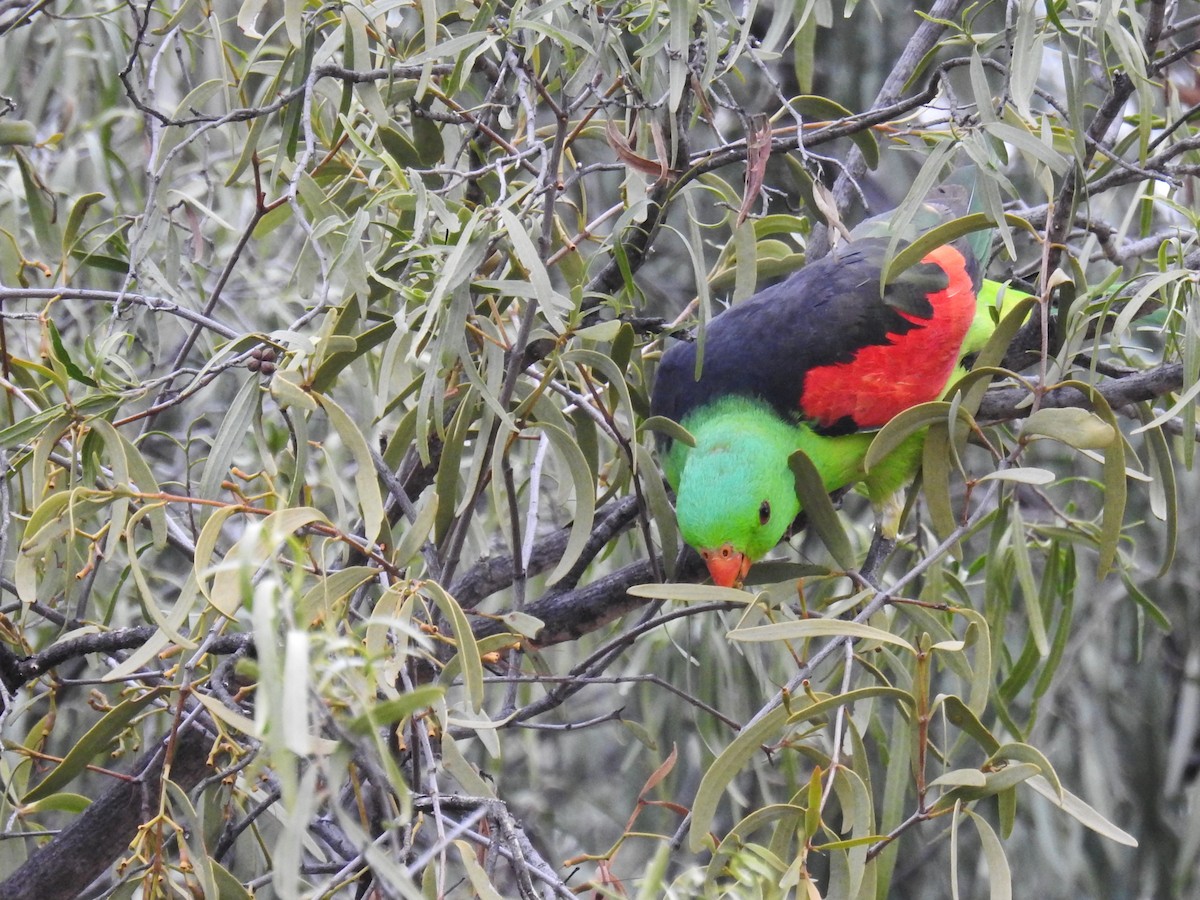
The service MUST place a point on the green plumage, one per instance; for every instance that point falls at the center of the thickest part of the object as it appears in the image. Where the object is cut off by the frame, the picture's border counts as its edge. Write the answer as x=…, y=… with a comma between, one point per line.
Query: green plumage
x=741, y=459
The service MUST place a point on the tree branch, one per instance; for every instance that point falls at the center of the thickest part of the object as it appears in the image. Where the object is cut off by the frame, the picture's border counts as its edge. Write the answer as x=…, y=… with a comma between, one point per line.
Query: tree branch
x=82, y=851
x=1004, y=403
x=571, y=615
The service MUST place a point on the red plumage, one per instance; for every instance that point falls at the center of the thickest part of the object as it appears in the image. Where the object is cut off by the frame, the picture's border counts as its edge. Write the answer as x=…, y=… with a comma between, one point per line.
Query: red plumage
x=884, y=379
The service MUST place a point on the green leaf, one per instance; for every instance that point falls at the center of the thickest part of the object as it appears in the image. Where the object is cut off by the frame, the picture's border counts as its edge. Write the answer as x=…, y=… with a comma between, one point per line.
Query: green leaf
x=387, y=713
x=994, y=783
x=61, y=354
x=905, y=425
x=1115, y=488
x=228, y=886
x=963, y=718
x=23, y=430
x=254, y=547
x=39, y=204
x=1164, y=493
x=849, y=698
x=468, y=649
x=191, y=833
x=143, y=479
x=960, y=778
x=812, y=810
x=289, y=392
x=945, y=233
x=366, y=483
x=75, y=219
x=321, y=598
x=336, y=360
x=1071, y=425
x=551, y=303
x=448, y=475
x=294, y=729
x=481, y=884
x=523, y=623
x=670, y=428
x=17, y=131
x=585, y=498
x=981, y=663
x=1021, y=752
x=937, y=461
x=1021, y=475
x=96, y=741
x=1029, y=144
x=1081, y=812
x=400, y=146
x=1028, y=583
x=417, y=532
x=661, y=511
x=69, y=803
x=801, y=629
x=999, y=875
x=601, y=331
x=822, y=517
x=230, y=717
x=815, y=107
x=692, y=593
x=787, y=818
x=171, y=619
x=1147, y=605
x=803, y=57
x=725, y=768
x=231, y=434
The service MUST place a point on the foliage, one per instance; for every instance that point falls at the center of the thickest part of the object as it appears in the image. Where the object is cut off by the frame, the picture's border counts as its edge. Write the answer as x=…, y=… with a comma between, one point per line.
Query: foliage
x=335, y=557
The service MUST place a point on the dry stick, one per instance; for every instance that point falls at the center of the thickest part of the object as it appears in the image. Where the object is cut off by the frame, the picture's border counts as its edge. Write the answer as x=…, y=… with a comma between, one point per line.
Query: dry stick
x=261, y=208
x=601, y=659
x=156, y=304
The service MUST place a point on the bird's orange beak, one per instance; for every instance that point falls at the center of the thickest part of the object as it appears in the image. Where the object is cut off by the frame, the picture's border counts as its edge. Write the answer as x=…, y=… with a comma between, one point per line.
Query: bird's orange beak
x=726, y=566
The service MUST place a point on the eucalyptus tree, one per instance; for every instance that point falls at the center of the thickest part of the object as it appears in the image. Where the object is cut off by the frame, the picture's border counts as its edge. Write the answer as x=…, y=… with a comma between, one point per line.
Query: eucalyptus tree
x=336, y=558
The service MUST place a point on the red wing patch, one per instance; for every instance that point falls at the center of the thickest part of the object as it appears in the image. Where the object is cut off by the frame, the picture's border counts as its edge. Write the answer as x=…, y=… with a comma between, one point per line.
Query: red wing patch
x=883, y=380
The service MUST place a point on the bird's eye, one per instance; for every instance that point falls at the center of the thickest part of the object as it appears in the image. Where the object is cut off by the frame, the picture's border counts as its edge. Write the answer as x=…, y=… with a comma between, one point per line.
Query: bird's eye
x=764, y=513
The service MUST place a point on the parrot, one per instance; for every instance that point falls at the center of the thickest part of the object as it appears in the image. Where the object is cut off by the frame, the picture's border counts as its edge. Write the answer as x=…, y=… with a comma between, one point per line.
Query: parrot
x=817, y=363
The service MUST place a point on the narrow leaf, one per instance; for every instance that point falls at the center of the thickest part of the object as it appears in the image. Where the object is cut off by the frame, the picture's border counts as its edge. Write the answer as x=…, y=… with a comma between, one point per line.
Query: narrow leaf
x=670, y=428
x=691, y=593
x=97, y=740
x=999, y=874
x=585, y=498
x=1081, y=812
x=1021, y=475
x=810, y=628
x=1072, y=426
x=822, y=517
x=366, y=482
x=468, y=650
x=904, y=426
x=726, y=767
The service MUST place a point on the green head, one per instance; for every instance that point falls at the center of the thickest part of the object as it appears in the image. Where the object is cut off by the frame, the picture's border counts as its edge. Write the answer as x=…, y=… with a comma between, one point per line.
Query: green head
x=735, y=494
